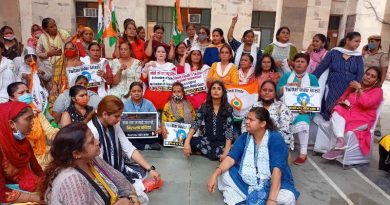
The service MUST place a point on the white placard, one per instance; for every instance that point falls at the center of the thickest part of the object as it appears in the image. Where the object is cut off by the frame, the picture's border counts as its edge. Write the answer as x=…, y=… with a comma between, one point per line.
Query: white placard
x=193, y=82
x=177, y=134
x=89, y=71
x=306, y=99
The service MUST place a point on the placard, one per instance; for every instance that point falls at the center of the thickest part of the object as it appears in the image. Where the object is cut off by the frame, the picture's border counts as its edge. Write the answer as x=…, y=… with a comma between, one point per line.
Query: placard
x=89, y=71
x=193, y=82
x=177, y=133
x=161, y=79
x=306, y=99
x=139, y=125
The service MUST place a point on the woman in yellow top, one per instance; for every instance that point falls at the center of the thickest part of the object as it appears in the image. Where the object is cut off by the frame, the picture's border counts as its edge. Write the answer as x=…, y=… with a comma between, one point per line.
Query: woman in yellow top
x=178, y=109
x=224, y=71
x=42, y=131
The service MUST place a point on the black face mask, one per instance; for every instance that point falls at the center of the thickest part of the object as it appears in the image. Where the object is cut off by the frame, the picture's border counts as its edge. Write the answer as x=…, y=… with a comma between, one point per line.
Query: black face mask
x=268, y=102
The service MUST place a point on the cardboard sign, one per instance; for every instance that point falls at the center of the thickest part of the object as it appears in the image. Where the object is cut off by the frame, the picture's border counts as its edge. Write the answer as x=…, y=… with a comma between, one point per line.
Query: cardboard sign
x=306, y=99
x=177, y=133
x=139, y=125
x=89, y=71
x=193, y=82
x=161, y=79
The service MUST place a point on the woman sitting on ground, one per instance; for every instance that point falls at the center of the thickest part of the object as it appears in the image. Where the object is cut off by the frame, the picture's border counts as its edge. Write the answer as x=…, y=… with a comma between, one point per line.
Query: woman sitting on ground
x=178, y=109
x=78, y=110
x=216, y=113
x=77, y=175
x=256, y=169
x=357, y=107
x=17, y=161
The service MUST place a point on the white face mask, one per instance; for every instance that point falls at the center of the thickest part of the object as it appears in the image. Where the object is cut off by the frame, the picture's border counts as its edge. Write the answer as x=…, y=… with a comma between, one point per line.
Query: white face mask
x=9, y=37
x=18, y=135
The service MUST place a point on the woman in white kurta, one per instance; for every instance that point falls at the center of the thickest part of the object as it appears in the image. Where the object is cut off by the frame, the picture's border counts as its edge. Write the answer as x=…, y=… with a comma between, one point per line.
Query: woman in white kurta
x=7, y=74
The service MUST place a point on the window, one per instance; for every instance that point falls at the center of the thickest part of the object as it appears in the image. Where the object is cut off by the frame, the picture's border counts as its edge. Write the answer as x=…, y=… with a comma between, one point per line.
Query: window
x=264, y=22
x=350, y=25
x=163, y=16
x=86, y=15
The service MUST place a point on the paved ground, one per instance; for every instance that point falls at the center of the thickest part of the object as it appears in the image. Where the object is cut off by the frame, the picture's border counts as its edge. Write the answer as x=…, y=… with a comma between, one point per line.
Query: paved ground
x=319, y=181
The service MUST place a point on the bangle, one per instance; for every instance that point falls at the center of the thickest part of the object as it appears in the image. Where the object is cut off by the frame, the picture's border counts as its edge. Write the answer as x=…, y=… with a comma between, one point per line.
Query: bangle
x=273, y=201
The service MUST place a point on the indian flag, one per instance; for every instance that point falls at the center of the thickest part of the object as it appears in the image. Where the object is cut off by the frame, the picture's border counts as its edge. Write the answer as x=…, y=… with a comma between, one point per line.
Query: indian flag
x=111, y=28
x=177, y=28
x=100, y=28
x=242, y=97
x=39, y=94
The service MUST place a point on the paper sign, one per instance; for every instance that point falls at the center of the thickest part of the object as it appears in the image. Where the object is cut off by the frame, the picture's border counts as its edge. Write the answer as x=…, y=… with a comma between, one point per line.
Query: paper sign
x=306, y=99
x=139, y=125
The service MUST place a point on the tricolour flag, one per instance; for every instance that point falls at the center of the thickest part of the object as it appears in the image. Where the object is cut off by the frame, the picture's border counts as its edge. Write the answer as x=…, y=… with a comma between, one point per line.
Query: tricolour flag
x=178, y=26
x=38, y=92
x=100, y=28
x=111, y=24
x=242, y=97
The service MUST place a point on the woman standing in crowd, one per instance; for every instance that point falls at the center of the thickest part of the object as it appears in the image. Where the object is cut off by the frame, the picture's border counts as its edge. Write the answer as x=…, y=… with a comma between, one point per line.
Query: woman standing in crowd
x=195, y=63
x=256, y=170
x=266, y=70
x=180, y=51
x=7, y=74
x=36, y=32
x=216, y=113
x=78, y=110
x=136, y=103
x=155, y=41
x=278, y=111
x=137, y=45
x=18, y=163
x=178, y=109
x=192, y=38
x=78, y=176
x=345, y=64
x=42, y=131
x=212, y=52
x=299, y=78
x=317, y=51
x=12, y=48
x=86, y=37
x=203, y=39
x=356, y=107
x=224, y=70
x=141, y=33
x=105, y=73
x=247, y=45
x=51, y=43
x=157, y=97
x=246, y=73
x=126, y=70
x=282, y=50
x=63, y=100
x=116, y=149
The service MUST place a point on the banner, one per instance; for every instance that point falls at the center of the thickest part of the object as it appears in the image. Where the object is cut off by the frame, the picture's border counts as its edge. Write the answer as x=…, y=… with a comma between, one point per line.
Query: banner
x=39, y=94
x=139, y=125
x=307, y=99
x=89, y=71
x=193, y=82
x=177, y=133
x=242, y=97
x=161, y=79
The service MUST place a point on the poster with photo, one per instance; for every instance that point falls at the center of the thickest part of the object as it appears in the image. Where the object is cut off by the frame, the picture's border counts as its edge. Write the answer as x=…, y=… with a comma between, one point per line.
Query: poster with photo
x=139, y=125
x=306, y=99
x=177, y=133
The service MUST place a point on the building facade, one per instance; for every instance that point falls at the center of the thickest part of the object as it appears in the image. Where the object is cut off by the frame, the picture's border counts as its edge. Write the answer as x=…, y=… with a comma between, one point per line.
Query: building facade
x=305, y=18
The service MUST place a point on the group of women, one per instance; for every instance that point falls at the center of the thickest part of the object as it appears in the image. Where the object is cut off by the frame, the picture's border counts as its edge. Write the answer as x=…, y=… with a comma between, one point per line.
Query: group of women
x=89, y=158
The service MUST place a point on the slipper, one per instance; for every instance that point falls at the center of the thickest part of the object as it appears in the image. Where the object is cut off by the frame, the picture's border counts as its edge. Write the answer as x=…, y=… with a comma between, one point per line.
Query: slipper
x=150, y=184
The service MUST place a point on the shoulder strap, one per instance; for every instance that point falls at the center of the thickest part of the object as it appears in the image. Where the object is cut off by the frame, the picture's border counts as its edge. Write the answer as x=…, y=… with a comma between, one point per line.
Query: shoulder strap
x=102, y=139
x=105, y=198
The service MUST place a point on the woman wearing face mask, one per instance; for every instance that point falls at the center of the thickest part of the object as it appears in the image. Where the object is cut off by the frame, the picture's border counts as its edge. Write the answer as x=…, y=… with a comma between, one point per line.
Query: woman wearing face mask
x=266, y=70
x=63, y=100
x=344, y=64
x=18, y=163
x=7, y=74
x=317, y=51
x=78, y=110
x=299, y=78
x=178, y=109
x=116, y=149
x=216, y=113
x=282, y=50
x=247, y=46
x=13, y=48
x=246, y=73
x=224, y=70
x=211, y=54
x=157, y=97
x=86, y=37
x=203, y=39
x=36, y=32
x=195, y=63
x=42, y=131
x=279, y=113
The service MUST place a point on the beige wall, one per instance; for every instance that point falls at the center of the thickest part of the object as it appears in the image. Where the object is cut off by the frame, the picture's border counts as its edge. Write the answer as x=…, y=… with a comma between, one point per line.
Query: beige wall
x=265, y=5
x=183, y=3
x=9, y=16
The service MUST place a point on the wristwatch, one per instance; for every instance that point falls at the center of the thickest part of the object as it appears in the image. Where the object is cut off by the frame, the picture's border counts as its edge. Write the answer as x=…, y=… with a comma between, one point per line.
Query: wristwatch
x=151, y=168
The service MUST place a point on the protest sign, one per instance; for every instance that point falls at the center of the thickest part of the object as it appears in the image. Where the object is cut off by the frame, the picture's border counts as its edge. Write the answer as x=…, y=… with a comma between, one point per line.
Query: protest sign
x=89, y=71
x=306, y=99
x=242, y=97
x=139, y=125
x=161, y=79
x=177, y=133
x=193, y=82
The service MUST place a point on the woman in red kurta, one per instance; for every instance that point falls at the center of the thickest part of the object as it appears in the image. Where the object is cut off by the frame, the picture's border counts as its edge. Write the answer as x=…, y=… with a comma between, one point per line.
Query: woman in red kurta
x=17, y=161
x=357, y=108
